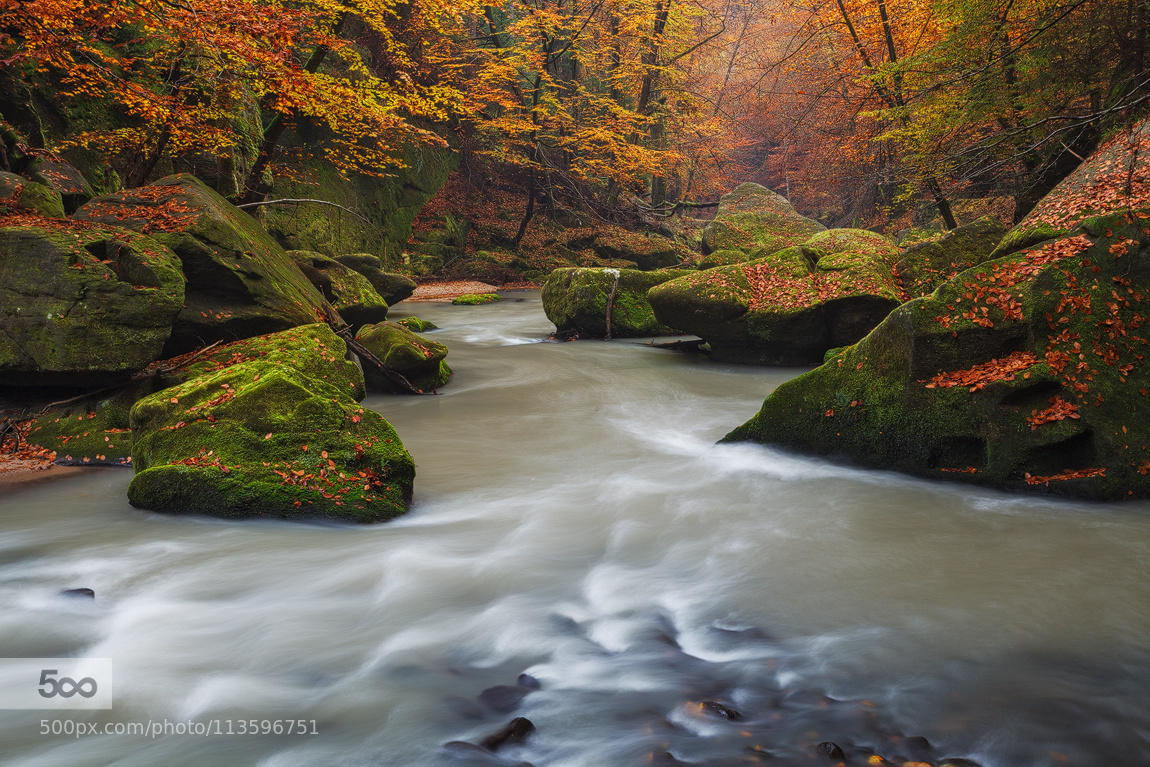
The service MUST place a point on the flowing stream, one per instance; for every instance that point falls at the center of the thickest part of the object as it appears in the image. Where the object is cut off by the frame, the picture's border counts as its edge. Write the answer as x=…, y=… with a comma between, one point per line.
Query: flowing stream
x=575, y=521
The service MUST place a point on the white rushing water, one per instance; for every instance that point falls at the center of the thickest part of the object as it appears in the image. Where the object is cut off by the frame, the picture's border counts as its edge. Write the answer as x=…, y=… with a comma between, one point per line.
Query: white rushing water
x=574, y=520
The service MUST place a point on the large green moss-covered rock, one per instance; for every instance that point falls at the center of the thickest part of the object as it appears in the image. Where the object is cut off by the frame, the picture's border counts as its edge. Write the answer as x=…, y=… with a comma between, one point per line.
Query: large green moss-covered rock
x=240, y=282
x=83, y=305
x=757, y=221
x=392, y=287
x=1026, y=372
x=791, y=306
x=18, y=194
x=277, y=432
x=346, y=289
x=418, y=359
x=388, y=204
x=925, y=265
x=575, y=300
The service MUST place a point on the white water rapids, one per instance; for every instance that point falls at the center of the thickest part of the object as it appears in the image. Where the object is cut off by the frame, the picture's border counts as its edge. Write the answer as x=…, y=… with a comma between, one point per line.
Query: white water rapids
x=574, y=520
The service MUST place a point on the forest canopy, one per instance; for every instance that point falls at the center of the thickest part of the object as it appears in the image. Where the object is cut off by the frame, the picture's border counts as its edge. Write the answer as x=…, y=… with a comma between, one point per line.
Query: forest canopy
x=860, y=111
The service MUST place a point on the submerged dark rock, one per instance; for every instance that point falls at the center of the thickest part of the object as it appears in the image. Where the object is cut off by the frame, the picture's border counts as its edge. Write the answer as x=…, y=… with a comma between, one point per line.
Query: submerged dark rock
x=81, y=593
x=513, y=733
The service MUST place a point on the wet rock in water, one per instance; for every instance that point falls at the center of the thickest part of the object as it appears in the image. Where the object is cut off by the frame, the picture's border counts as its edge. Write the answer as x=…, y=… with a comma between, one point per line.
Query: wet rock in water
x=757, y=221
x=81, y=593
x=417, y=325
x=788, y=307
x=916, y=748
x=22, y=195
x=475, y=299
x=84, y=305
x=721, y=710
x=663, y=757
x=464, y=707
x=270, y=427
x=953, y=761
x=420, y=360
x=392, y=287
x=830, y=750
x=575, y=300
x=924, y=266
x=504, y=698
x=1034, y=385
x=528, y=681
x=64, y=179
x=513, y=733
x=346, y=289
x=240, y=282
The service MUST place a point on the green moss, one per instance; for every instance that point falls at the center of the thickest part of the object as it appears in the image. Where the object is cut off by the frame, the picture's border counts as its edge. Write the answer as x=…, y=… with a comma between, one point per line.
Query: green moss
x=264, y=438
x=18, y=193
x=240, y=282
x=723, y=258
x=418, y=359
x=476, y=299
x=392, y=287
x=416, y=325
x=389, y=204
x=788, y=307
x=1081, y=304
x=757, y=221
x=83, y=305
x=645, y=250
x=575, y=300
x=91, y=432
x=313, y=350
x=346, y=289
x=924, y=266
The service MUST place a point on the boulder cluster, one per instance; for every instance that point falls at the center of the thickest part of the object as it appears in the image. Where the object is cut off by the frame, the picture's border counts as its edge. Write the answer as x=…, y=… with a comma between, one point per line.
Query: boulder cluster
x=225, y=366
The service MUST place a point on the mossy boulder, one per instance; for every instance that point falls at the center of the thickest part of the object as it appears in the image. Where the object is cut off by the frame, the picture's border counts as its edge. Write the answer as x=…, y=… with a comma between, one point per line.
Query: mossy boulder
x=757, y=221
x=646, y=250
x=18, y=194
x=346, y=289
x=791, y=306
x=723, y=258
x=418, y=359
x=417, y=325
x=64, y=179
x=265, y=437
x=392, y=287
x=575, y=300
x=925, y=265
x=240, y=282
x=1025, y=372
x=476, y=299
x=83, y=305
x=314, y=350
